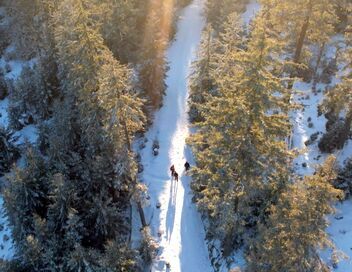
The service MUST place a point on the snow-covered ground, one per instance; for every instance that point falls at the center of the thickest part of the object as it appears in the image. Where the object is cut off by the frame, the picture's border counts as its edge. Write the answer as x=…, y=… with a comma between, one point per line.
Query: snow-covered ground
x=305, y=123
x=340, y=226
x=6, y=242
x=177, y=222
x=340, y=230
x=3, y=112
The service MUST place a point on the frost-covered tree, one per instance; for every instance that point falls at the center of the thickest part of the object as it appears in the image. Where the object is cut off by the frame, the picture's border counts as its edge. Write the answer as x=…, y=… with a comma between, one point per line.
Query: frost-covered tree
x=9, y=153
x=26, y=196
x=302, y=23
x=201, y=83
x=121, y=27
x=241, y=154
x=153, y=68
x=89, y=173
x=295, y=229
x=338, y=102
x=218, y=10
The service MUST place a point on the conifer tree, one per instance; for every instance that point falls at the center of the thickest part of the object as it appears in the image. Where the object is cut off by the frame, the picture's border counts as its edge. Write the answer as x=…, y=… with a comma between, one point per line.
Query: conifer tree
x=295, y=230
x=121, y=27
x=153, y=68
x=339, y=100
x=201, y=83
x=241, y=154
x=218, y=10
x=302, y=23
x=89, y=173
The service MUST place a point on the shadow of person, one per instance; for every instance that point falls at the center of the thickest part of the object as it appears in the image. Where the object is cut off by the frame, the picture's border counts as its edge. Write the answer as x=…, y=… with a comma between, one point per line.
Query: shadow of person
x=170, y=216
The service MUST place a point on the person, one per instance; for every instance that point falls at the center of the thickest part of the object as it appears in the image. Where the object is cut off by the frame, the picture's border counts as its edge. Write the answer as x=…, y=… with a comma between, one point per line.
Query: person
x=176, y=176
x=187, y=166
x=172, y=169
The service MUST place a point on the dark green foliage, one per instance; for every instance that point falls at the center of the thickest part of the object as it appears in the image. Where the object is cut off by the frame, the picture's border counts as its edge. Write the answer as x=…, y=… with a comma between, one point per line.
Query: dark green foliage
x=3, y=86
x=295, y=230
x=9, y=153
x=31, y=96
x=218, y=10
x=335, y=138
x=343, y=180
x=240, y=151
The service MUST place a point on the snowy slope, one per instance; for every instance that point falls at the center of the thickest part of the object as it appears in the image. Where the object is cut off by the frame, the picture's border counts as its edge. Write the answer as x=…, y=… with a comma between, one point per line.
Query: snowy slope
x=182, y=239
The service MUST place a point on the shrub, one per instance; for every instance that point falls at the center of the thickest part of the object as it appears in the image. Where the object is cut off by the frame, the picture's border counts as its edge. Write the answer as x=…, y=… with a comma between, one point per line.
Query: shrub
x=334, y=138
x=148, y=247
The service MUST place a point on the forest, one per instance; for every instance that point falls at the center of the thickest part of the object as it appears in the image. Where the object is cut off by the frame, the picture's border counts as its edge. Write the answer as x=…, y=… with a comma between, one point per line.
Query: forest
x=99, y=98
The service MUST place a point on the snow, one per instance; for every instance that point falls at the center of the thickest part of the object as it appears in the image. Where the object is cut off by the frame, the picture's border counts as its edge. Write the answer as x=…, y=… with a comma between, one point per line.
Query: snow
x=182, y=241
x=6, y=243
x=15, y=65
x=340, y=226
x=251, y=10
x=345, y=153
x=305, y=97
x=340, y=231
x=27, y=134
x=3, y=112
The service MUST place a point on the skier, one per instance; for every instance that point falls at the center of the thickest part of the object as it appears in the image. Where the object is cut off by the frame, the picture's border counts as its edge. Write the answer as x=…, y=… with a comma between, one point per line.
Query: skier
x=172, y=170
x=176, y=176
x=187, y=166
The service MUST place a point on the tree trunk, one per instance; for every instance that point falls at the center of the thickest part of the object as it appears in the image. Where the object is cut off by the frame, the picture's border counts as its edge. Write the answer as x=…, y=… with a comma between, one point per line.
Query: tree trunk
x=141, y=214
x=303, y=33
x=139, y=204
x=320, y=55
x=302, y=36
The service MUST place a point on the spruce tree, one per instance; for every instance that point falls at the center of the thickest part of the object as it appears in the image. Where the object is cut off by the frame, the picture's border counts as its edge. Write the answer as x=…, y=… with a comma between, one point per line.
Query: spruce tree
x=295, y=230
x=303, y=23
x=153, y=68
x=201, y=83
x=241, y=154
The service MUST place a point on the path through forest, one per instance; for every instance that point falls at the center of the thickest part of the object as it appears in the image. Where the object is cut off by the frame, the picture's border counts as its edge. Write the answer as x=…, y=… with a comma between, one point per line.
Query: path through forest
x=182, y=240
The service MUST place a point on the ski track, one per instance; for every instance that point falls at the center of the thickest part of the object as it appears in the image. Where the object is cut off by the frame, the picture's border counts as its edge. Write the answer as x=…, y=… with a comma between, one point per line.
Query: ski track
x=182, y=241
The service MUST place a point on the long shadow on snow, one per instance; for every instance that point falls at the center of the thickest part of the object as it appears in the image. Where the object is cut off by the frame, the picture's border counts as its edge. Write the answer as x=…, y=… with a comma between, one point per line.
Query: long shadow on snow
x=170, y=217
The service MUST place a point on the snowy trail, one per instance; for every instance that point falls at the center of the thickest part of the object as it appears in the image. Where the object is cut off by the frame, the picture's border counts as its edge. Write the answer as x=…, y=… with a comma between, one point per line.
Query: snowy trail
x=182, y=240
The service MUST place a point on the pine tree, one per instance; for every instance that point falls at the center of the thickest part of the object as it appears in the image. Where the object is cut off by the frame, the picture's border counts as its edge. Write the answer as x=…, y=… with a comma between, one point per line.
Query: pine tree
x=241, y=154
x=295, y=230
x=25, y=196
x=302, y=23
x=121, y=27
x=201, y=83
x=218, y=10
x=153, y=68
x=79, y=202
x=9, y=153
x=339, y=100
